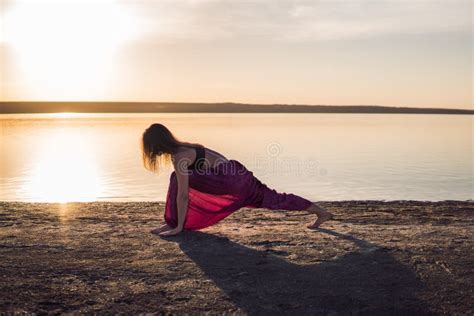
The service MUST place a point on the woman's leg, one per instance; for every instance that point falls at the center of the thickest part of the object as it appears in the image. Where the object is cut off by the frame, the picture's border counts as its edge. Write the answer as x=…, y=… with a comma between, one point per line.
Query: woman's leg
x=323, y=215
x=271, y=199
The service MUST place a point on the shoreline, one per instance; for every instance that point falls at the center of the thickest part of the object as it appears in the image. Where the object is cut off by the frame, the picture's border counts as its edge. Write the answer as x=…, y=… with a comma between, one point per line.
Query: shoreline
x=376, y=257
x=213, y=107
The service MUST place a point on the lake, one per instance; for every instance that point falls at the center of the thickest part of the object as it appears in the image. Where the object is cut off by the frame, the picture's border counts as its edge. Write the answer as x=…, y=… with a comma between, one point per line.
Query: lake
x=86, y=157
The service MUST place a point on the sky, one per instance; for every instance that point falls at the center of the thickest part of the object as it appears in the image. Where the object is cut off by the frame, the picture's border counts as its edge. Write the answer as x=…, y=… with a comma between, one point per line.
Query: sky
x=395, y=53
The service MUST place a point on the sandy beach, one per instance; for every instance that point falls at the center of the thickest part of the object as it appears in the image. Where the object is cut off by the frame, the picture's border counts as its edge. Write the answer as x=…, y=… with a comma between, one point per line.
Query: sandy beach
x=398, y=257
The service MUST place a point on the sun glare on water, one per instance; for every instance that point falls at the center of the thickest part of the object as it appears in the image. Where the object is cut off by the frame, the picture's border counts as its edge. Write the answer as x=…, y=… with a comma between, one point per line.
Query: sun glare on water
x=65, y=115
x=65, y=169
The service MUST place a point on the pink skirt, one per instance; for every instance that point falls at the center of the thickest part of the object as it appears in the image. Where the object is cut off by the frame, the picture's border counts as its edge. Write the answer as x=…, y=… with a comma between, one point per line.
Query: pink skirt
x=217, y=193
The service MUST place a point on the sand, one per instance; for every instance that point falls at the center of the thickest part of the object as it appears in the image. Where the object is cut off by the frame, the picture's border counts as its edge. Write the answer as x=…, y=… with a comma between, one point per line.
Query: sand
x=398, y=257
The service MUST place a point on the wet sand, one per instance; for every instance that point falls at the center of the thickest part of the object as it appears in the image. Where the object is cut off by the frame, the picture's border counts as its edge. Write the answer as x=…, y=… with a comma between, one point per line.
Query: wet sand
x=399, y=257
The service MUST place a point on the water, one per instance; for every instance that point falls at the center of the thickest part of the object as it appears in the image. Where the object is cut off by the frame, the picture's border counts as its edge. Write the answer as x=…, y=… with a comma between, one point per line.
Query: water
x=87, y=157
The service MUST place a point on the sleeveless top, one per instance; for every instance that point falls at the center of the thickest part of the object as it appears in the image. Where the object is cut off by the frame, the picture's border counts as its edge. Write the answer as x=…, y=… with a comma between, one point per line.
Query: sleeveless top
x=200, y=158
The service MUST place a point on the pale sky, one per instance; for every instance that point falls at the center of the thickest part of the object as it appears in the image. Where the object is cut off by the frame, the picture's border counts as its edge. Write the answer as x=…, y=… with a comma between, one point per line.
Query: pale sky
x=395, y=53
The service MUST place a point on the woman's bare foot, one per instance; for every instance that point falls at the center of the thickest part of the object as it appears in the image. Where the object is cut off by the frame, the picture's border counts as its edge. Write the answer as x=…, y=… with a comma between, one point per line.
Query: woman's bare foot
x=321, y=219
x=322, y=214
x=161, y=229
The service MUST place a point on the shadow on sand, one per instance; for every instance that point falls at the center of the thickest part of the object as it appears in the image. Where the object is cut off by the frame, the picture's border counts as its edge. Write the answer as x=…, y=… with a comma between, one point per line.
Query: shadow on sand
x=368, y=281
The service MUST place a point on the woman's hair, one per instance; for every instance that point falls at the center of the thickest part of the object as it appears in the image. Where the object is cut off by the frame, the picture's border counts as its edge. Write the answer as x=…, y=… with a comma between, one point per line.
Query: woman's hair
x=158, y=145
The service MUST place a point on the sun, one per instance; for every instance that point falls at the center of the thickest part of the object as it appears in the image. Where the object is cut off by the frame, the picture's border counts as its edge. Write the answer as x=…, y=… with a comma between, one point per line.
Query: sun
x=67, y=49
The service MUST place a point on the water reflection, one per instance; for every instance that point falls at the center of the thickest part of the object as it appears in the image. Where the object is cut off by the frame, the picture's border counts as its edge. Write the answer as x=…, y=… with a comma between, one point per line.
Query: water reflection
x=64, y=168
x=81, y=157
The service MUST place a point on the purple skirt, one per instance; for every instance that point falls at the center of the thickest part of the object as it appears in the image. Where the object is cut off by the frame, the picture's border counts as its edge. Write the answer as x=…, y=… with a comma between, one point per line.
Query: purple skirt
x=217, y=193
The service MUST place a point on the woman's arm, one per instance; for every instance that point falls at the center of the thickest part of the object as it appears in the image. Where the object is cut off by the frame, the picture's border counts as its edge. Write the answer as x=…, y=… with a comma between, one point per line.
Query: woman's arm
x=182, y=196
x=180, y=164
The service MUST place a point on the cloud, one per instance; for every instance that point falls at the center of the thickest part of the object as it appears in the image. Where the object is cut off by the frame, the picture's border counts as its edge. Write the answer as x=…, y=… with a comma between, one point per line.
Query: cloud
x=300, y=20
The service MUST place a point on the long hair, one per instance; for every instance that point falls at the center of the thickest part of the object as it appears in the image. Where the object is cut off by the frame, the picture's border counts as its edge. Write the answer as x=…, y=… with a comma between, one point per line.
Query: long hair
x=158, y=146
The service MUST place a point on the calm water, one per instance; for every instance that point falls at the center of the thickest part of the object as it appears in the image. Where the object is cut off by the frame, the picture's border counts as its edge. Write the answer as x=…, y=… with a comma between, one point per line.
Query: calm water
x=319, y=156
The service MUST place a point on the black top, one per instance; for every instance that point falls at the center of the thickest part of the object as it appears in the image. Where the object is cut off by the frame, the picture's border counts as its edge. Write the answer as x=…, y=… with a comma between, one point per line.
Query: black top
x=200, y=158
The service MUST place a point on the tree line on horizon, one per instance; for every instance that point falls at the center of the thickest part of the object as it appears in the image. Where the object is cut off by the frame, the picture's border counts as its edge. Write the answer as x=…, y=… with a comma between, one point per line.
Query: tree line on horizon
x=226, y=107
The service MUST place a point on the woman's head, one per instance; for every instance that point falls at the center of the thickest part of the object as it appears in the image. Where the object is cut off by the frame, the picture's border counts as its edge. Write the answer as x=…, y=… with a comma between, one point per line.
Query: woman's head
x=158, y=144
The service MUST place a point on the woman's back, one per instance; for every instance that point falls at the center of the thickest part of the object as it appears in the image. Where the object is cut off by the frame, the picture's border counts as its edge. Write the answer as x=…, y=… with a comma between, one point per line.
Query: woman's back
x=199, y=157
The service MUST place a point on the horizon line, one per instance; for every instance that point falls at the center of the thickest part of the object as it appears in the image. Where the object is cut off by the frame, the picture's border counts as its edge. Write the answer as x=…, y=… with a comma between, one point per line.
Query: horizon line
x=244, y=104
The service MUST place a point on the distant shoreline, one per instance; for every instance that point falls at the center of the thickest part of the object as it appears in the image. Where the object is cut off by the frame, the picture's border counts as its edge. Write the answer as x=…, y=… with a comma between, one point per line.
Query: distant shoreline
x=226, y=107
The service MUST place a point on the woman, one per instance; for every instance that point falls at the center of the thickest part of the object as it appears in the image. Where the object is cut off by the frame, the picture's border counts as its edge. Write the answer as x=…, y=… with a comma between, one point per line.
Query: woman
x=205, y=187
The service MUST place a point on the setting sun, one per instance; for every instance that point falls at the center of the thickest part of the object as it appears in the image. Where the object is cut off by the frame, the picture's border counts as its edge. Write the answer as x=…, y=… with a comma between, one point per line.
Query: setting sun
x=60, y=46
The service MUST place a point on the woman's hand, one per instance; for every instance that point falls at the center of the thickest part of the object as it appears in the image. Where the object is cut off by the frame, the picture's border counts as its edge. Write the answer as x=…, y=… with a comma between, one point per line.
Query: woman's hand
x=160, y=229
x=172, y=232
